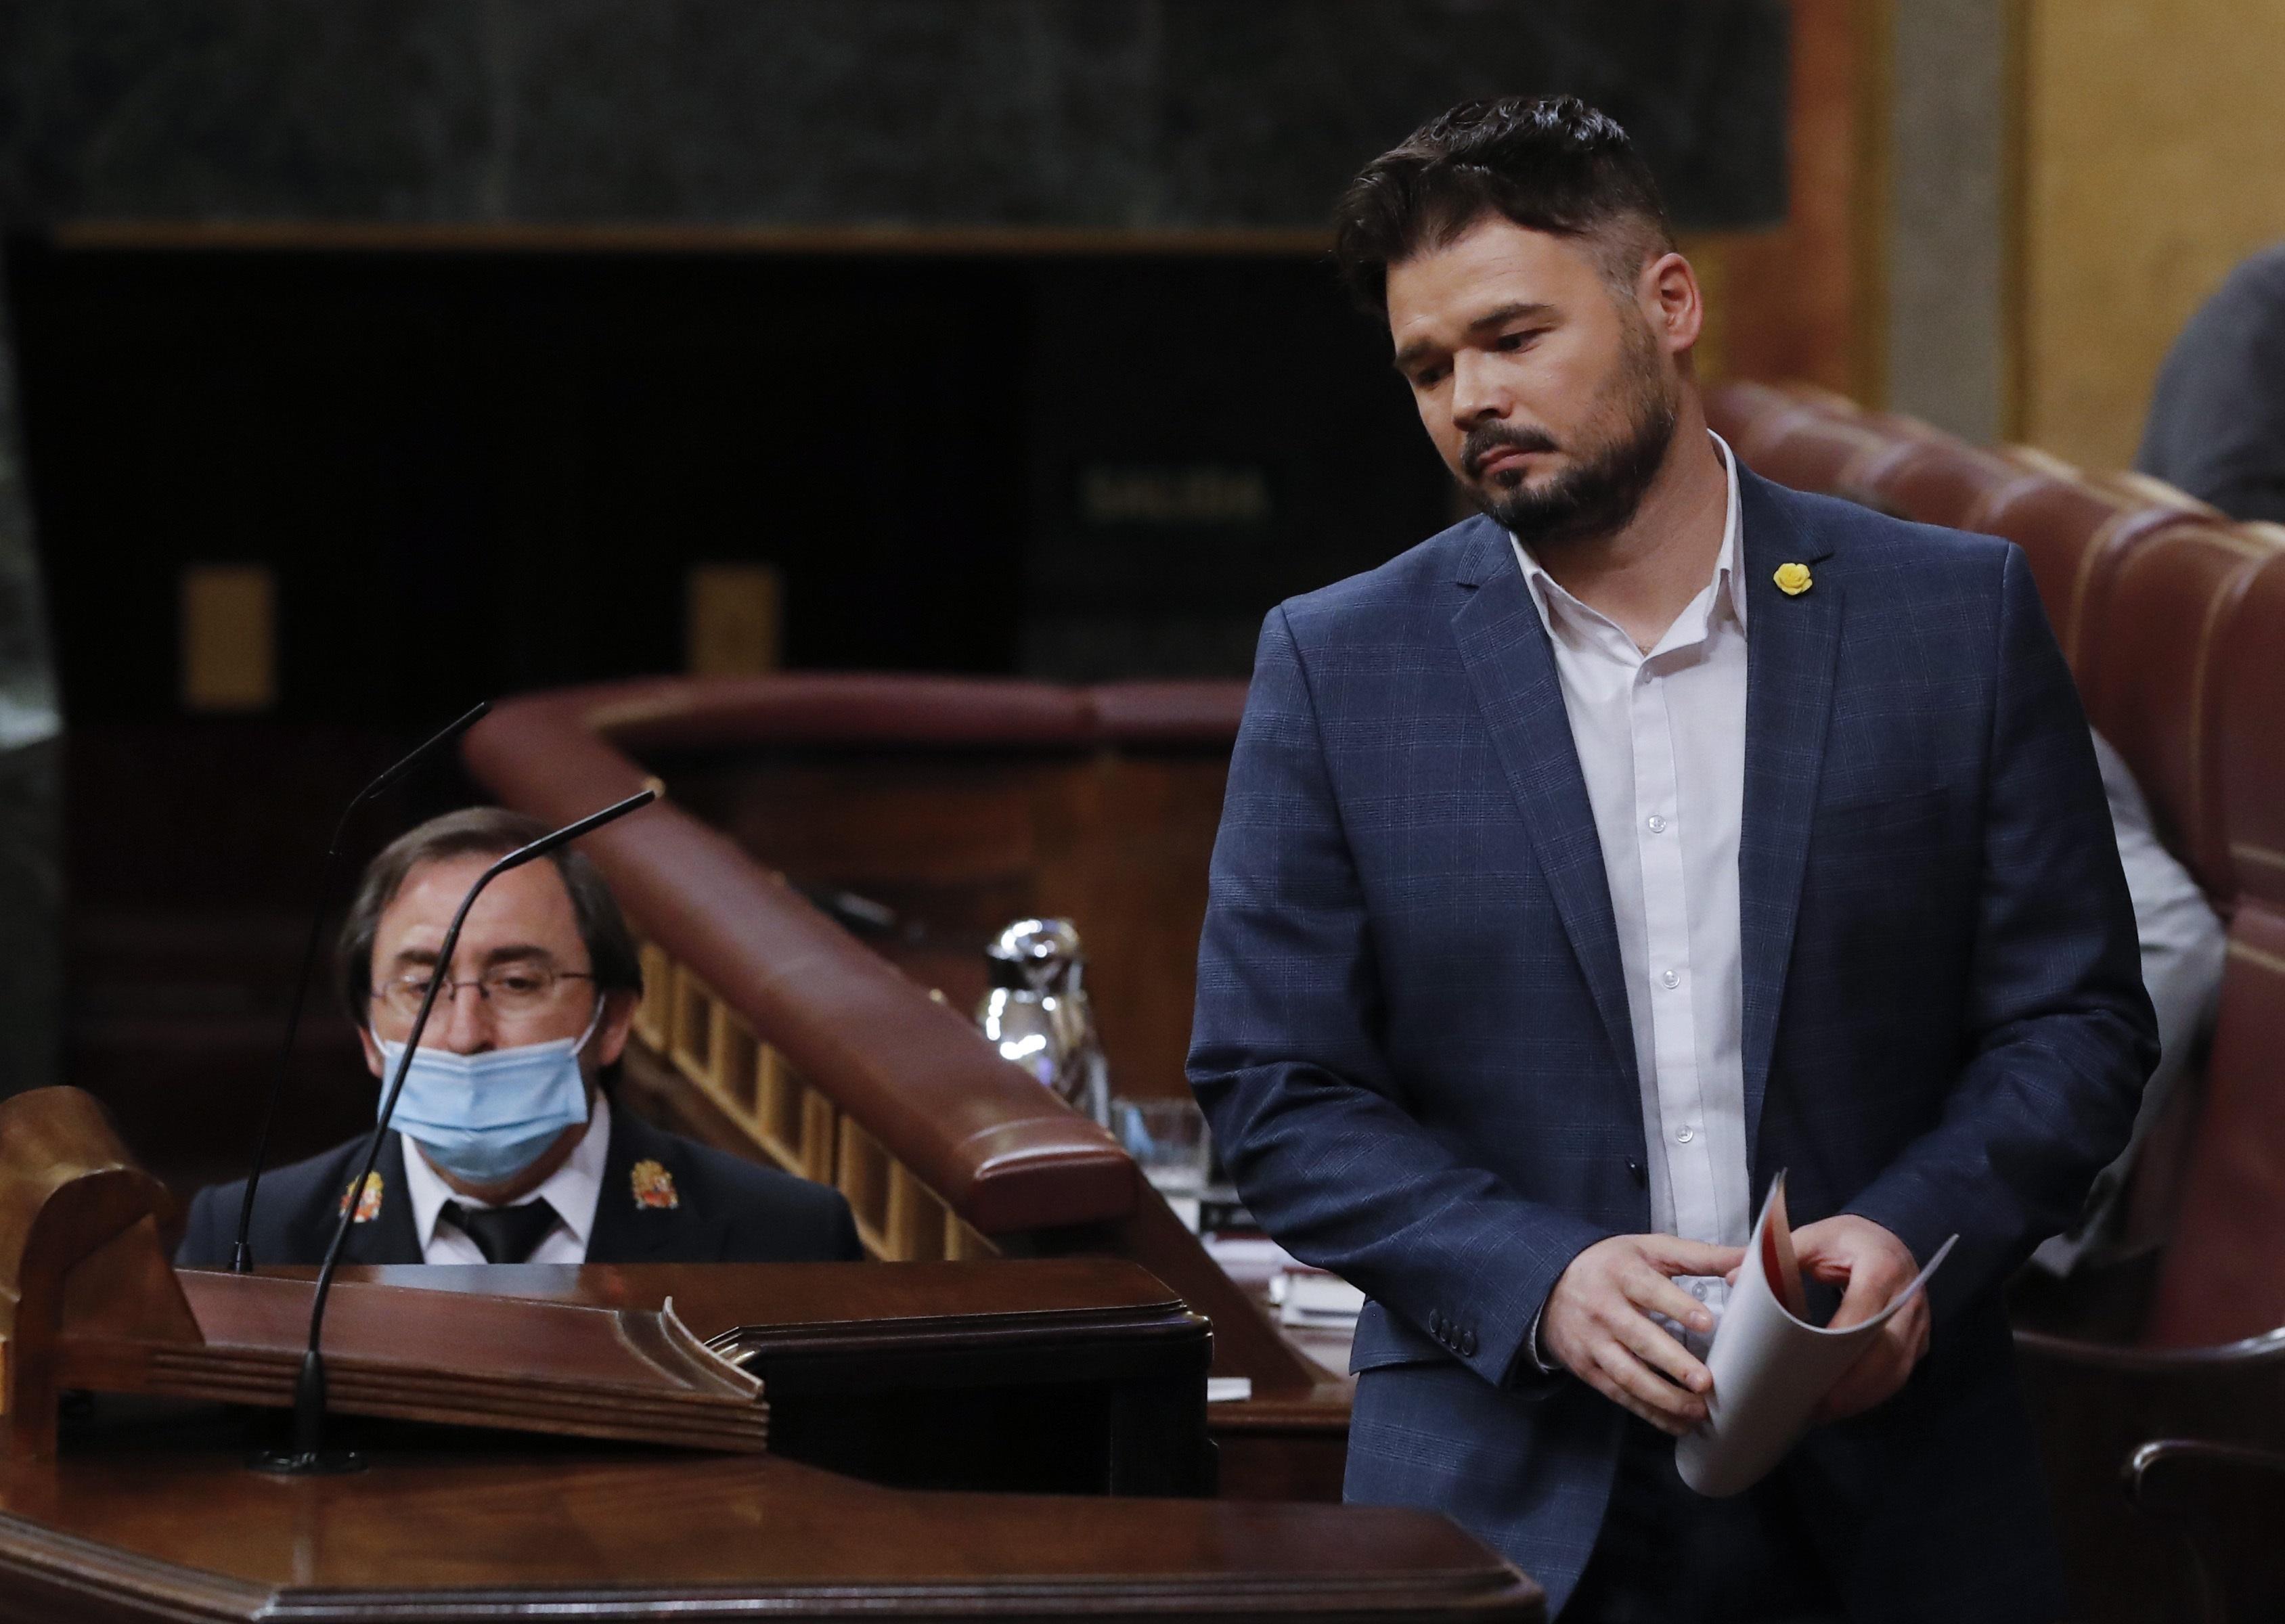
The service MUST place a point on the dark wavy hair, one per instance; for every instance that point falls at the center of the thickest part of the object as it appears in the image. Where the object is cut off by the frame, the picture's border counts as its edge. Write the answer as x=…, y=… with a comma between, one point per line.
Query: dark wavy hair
x=484, y=831
x=1549, y=163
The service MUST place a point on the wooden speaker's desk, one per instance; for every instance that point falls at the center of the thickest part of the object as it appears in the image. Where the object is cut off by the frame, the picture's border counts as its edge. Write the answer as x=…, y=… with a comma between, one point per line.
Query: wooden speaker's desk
x=1058, y=1376
x=850, y=1437
x=170, y=1526
x=1082, y=1373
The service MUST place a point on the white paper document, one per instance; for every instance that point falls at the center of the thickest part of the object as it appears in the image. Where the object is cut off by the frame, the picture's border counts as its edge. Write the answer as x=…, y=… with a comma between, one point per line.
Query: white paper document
x=1770, y=1366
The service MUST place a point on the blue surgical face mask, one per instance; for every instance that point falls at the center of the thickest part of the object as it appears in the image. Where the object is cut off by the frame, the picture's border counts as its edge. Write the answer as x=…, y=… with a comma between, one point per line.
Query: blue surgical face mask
x=485, y=1117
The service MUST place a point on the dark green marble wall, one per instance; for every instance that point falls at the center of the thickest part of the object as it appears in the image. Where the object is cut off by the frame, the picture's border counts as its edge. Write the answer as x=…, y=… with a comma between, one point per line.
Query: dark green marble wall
x=1092, y=114
x=31, y=880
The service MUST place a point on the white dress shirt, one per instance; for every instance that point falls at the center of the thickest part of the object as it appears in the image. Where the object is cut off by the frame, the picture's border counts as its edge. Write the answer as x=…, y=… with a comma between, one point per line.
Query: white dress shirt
x=572, y=1189
x=2184, y=951
x=1661, y=741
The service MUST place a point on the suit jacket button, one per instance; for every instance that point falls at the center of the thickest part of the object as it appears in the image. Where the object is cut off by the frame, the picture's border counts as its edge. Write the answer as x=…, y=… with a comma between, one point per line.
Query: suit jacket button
x=1637, y=1173
x=1467, y=1344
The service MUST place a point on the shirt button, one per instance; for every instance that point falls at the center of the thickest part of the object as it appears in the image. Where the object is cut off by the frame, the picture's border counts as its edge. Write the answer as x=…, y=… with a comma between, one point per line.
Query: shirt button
x=1672, y=978
x=1685, y=1135
x=1657, y=824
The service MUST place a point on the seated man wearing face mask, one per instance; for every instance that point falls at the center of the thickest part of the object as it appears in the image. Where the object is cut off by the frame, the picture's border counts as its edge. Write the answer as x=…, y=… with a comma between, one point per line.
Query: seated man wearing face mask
x=505, y=1148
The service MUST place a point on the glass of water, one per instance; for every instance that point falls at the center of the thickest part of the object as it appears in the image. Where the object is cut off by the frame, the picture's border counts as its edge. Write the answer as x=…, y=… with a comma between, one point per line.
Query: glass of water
x=1167, y=1139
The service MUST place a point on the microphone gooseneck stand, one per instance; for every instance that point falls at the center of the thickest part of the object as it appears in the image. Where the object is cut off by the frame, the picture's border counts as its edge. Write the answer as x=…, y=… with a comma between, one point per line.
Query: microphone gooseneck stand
x=241, y=1257
x=309, y=1455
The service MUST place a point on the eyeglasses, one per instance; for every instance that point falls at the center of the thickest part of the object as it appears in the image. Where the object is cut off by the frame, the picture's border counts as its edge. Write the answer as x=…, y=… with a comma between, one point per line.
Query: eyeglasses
x=512, y=991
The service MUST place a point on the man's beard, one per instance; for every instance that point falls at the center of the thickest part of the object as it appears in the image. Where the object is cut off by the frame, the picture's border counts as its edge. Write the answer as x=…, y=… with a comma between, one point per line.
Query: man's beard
x=1599, y=495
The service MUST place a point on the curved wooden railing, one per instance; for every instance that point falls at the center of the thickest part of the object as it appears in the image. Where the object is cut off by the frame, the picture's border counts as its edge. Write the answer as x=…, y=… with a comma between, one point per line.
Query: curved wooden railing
x=776, y=1030
x=776, y=1011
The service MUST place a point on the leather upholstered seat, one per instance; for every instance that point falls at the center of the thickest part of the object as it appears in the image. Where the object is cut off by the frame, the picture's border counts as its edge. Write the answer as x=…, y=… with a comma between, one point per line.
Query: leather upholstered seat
x=1809, y=440
x=1939, y=481
x=2150, y=635
x=2074, y=530
x=2224, y=1277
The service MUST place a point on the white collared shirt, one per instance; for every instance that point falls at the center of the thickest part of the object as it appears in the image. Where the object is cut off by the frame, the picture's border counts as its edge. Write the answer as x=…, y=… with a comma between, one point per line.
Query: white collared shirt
x=572, y=1189
x=1661, y=741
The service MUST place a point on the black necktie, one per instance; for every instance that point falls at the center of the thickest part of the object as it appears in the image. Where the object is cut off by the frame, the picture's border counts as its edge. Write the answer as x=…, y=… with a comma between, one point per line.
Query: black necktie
x=504, y=1234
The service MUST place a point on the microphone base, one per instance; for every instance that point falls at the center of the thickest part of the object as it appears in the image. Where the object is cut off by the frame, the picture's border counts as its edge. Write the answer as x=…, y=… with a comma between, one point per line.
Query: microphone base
x=312, y=1464
x=308, y=1457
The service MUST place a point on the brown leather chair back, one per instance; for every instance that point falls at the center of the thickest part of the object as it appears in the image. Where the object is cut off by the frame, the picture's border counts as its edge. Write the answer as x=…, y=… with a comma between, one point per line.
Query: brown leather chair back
x=2072, y=527
x=2149, y=642
x=2224, y=1277
x=1793, y=433
x=1748, y=415
x=2072, y=530
x=1812, y=451
x=1937, y=480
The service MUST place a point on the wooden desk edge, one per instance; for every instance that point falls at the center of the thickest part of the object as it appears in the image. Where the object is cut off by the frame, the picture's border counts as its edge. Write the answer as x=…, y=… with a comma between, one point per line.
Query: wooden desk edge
x=47, y=1567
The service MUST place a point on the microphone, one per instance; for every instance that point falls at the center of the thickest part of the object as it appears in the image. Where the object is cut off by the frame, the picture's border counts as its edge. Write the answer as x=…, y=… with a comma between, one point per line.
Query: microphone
x=241, y=1258
x=308, y=1454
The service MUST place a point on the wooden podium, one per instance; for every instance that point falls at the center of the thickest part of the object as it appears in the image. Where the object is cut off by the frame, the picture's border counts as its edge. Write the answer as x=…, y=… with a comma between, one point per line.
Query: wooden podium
x=702, y=1442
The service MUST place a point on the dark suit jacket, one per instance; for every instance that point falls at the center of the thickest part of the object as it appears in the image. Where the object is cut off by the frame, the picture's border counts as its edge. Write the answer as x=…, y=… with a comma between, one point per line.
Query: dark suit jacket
x=1414, y=1045
x=2215, y=426
x=729, y=1210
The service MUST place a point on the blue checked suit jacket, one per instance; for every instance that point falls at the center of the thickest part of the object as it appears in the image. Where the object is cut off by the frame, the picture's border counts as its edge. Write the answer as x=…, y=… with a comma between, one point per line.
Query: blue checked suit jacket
x=1412, y=1036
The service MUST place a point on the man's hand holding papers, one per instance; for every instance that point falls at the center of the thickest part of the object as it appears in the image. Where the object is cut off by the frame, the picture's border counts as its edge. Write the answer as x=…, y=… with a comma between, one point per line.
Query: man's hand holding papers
x=1598, y=1324
x=1774, y=1369
x=1874, y=1267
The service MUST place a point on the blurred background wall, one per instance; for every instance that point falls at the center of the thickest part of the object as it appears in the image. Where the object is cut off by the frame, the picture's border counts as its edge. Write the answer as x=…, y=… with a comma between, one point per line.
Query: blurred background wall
x=371, y=358
x=2067, y=181
x=374, y=358
x=2149, y=158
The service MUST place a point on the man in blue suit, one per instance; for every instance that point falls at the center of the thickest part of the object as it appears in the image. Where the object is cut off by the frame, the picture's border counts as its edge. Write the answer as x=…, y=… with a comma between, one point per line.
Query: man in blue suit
x=1599, y=859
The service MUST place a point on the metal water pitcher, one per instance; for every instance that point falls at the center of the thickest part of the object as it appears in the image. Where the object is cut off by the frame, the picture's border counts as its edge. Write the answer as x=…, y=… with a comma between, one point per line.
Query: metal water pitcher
x=1037, y=1015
